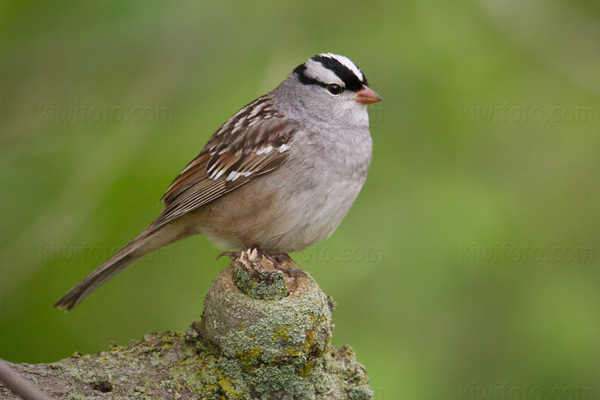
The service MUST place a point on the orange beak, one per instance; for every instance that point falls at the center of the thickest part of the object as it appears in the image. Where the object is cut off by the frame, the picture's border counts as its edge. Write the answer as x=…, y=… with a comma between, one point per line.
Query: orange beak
x=367, y=96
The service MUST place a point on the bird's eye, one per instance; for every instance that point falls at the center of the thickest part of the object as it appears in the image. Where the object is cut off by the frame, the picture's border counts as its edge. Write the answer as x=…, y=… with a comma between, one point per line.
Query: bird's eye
x=334, y=89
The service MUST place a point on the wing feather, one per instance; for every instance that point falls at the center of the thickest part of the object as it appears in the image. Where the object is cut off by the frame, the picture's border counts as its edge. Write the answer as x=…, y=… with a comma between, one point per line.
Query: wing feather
x=230, y=160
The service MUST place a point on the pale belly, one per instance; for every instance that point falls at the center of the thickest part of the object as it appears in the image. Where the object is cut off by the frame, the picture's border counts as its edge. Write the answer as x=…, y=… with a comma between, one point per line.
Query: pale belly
x=284, y=220
x=311, y=217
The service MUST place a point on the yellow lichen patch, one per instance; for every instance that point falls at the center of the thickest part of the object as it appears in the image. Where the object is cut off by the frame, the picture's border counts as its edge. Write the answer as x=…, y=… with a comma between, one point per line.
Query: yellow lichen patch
x=282, y=334
x=228, y=387
x=307, y=368
x=249, y=357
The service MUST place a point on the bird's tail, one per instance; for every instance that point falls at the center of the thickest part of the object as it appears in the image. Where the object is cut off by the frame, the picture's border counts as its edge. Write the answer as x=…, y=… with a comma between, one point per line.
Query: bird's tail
x=140, y=246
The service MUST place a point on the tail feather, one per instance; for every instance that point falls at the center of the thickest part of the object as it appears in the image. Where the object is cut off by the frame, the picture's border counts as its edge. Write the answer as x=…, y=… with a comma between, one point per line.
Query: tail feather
x=141, y=246
x=98, y=277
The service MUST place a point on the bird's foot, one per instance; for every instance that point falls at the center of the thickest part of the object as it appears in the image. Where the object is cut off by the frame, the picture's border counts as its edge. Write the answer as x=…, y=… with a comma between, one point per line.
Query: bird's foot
x=279, y=260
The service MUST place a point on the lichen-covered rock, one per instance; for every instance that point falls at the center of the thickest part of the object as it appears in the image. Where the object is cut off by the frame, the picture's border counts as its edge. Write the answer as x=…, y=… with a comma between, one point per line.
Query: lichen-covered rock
x=294, y=330
x=243, y=348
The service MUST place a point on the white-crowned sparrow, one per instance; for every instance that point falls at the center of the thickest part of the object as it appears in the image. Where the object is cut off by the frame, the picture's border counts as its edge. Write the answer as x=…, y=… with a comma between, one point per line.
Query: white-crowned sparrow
x=279, y=175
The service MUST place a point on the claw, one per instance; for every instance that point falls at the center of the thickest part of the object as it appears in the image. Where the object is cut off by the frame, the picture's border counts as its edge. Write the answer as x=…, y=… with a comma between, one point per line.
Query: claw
x=289, y=270
x=233, y=255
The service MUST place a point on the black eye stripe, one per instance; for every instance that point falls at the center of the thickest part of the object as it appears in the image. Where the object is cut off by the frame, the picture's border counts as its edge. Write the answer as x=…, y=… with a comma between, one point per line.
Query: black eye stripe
x=351, y=81
x=299, y=71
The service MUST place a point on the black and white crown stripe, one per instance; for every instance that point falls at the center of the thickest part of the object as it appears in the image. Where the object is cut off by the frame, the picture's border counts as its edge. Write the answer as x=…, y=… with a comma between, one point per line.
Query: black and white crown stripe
x=327, y=68
x=348, y=64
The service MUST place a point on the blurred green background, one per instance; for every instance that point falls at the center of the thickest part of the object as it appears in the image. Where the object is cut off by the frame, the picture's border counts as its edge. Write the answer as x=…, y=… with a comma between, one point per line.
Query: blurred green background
x=468, y=264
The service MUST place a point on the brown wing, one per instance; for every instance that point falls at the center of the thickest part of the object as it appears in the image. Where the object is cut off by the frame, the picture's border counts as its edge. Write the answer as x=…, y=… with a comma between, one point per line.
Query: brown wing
x=252, y=143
